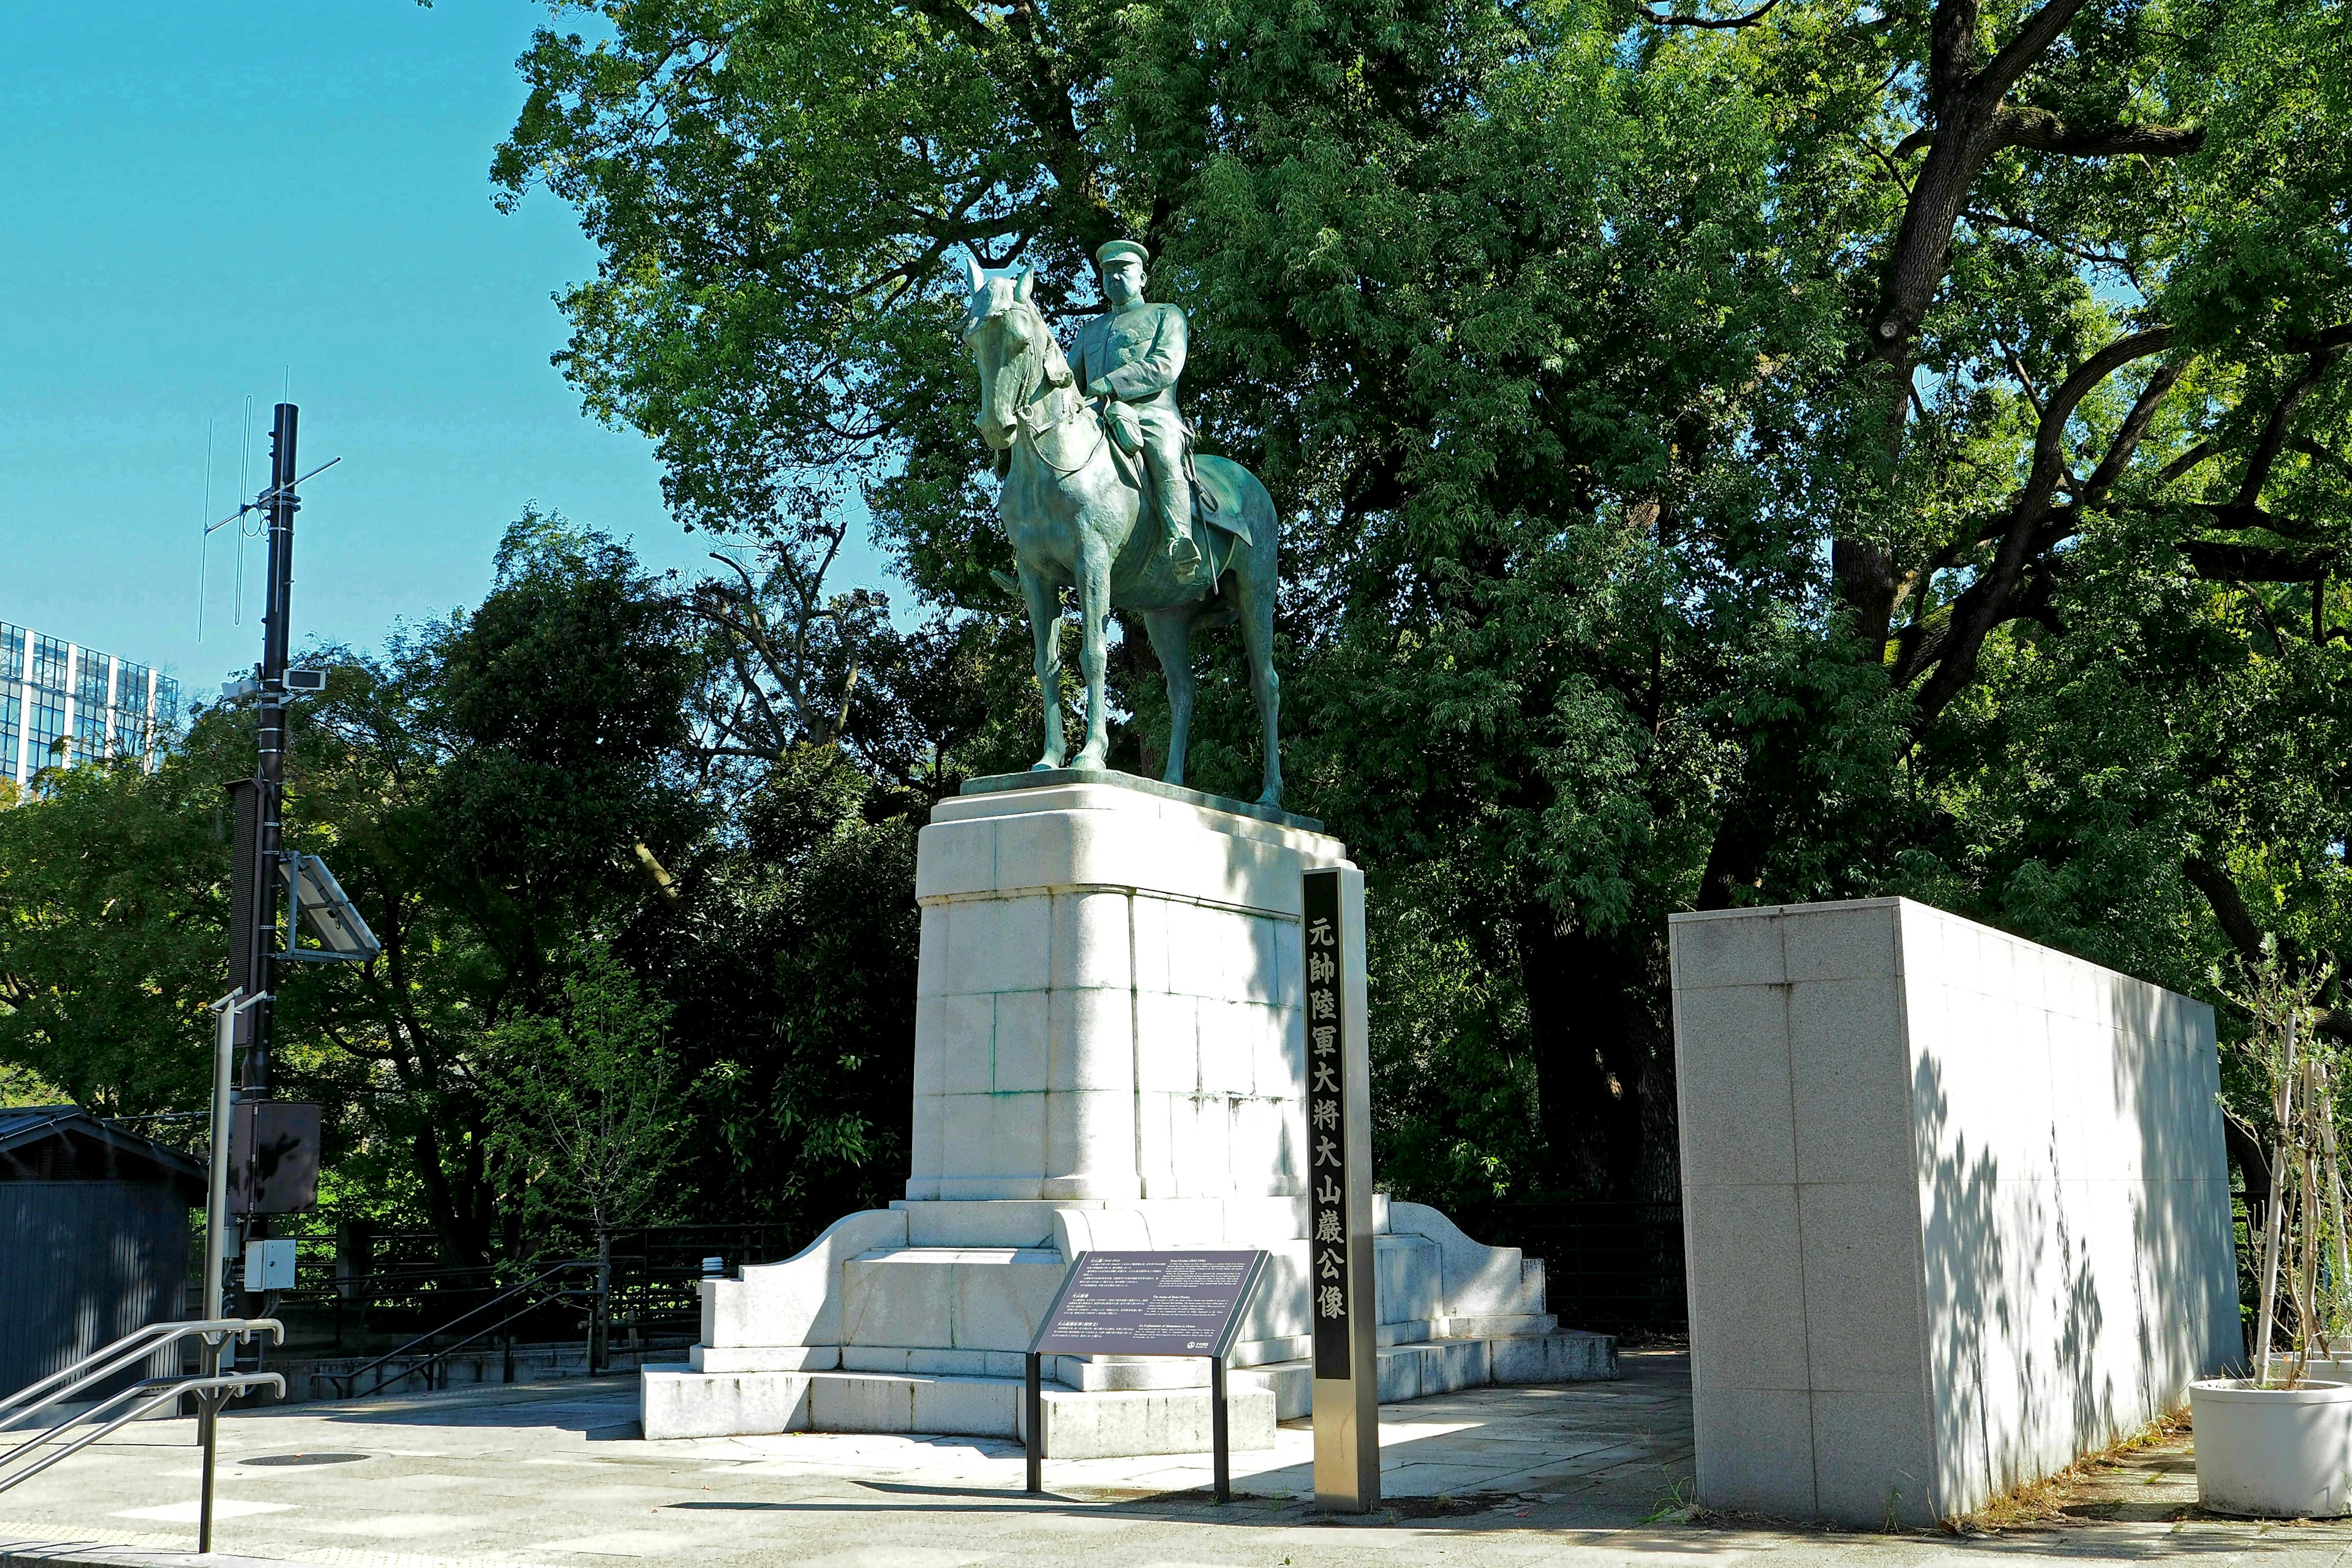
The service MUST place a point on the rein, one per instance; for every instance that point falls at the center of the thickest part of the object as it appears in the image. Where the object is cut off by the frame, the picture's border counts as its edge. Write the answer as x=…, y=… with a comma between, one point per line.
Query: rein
x=1073, y=405
x=1058, y=406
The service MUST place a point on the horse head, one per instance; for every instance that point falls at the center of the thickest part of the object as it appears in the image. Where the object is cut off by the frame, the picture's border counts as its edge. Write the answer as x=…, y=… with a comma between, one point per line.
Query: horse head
x=1013, y=349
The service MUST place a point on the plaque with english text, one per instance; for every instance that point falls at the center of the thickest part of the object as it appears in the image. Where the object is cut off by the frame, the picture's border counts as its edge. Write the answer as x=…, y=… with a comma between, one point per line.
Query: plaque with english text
x=1150, y=1303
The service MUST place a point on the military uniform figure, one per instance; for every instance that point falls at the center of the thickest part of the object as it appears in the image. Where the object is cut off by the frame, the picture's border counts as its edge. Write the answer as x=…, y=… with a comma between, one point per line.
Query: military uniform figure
x=1132, y=354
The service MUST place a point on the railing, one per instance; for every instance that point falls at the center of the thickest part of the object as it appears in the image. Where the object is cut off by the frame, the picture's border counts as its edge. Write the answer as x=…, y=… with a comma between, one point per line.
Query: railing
x=159, y=1391
x=1611, y=1266
x=531, y=1304
x=38, y=1452
x=139, y=1345
x=357, y=1289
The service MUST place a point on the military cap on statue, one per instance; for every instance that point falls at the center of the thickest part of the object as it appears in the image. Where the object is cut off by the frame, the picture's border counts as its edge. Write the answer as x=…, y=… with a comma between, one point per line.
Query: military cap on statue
x=1107, y=254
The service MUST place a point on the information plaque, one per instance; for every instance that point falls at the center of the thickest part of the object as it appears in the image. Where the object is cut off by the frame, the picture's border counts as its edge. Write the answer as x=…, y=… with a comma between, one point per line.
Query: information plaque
x=1146, y=1303
x=1150, y=1303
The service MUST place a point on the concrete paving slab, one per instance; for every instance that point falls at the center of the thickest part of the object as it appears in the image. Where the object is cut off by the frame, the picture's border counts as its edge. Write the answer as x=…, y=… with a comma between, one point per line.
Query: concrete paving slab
x=1579, y=1476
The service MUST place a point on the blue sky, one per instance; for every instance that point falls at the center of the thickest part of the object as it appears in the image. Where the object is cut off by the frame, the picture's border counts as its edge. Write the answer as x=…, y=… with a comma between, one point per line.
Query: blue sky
x=206, y=200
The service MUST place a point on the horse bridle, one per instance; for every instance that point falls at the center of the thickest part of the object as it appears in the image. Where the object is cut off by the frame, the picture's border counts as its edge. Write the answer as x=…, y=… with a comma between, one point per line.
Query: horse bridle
x=1056, y=407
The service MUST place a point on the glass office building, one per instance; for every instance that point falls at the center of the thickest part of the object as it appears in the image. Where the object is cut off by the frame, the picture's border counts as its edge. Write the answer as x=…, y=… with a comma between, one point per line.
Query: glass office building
x=61, y=703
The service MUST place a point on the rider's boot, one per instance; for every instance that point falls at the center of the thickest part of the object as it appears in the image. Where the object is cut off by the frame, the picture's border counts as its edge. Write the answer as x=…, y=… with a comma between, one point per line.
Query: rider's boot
x=1185, y=555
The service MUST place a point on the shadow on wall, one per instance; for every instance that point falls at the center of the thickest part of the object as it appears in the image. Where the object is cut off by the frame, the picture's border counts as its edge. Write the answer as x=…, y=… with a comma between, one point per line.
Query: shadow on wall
x=1965, y=1275
x=2182, y=1228
x=2034, y=1236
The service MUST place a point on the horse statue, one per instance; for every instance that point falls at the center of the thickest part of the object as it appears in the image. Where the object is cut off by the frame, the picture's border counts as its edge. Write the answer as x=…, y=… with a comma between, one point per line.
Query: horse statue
x=1070, y=508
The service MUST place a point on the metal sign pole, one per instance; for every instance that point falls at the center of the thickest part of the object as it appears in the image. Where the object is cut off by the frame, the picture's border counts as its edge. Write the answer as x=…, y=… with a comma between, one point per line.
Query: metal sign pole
x=1220, y=1435
x=1032, y=1411
x=1343, y=1288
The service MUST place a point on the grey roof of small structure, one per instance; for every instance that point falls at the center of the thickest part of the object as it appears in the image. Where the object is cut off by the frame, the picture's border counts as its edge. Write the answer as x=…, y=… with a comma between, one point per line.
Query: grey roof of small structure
x=24, y=1127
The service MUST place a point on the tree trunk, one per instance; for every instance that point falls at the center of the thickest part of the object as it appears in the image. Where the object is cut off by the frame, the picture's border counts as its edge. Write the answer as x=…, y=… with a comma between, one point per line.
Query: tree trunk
x=600, y=1317
x=1590, y=1058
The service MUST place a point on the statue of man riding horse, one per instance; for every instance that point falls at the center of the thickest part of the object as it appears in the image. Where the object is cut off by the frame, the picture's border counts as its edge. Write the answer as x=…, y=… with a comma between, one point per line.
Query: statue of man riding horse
x=1103, y=495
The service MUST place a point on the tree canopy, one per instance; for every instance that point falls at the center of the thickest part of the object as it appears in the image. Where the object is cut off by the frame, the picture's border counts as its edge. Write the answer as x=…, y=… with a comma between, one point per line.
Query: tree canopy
x=1730, y=456
x=1761, y=454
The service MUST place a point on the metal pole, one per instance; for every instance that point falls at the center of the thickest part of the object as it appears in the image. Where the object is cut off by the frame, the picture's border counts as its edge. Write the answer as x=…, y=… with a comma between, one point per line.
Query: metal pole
x=209, y=1403
x=1220, y=1443
x=217, y=1191
x=215, y=1248
x=1033, y=1407
x=276, y=637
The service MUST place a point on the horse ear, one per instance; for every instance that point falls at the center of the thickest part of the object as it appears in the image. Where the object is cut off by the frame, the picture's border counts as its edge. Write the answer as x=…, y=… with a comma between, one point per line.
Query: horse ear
x=1022, y=280
x=972, y=268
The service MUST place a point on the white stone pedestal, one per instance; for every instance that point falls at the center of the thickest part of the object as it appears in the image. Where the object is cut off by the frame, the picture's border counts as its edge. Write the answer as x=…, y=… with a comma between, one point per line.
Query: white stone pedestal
x=1109, y=1053
x=1109, y=1000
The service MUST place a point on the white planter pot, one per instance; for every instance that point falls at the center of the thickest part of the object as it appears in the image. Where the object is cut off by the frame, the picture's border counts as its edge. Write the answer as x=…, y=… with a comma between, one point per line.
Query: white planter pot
x=2277, y=1453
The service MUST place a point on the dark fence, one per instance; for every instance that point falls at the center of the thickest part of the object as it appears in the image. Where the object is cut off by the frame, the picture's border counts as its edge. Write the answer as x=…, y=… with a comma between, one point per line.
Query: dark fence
x=1614, y=1267
x=358, y=1288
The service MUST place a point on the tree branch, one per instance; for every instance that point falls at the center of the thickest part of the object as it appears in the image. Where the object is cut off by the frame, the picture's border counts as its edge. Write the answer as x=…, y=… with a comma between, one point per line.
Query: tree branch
x=2049, y=460
x=1748, y=20
x=2041, y=31
x=2229, y=906
x=2044, y=132
x=2266, y=449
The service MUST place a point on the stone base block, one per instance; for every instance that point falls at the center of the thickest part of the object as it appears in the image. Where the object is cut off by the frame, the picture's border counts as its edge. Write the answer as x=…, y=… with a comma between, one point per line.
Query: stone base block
x=1154, y=1421
x=1440, y=1366
x=764, y=1358
x=680, y=1402
x=1156, y=1406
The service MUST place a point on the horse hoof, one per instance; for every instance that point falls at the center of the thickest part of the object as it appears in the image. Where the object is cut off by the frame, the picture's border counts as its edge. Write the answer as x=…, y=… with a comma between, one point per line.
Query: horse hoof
x=1272, y=798
x=1045, y=766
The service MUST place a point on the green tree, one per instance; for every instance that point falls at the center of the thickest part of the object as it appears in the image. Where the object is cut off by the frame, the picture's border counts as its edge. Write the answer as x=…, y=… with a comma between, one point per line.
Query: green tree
x=113, y=920
x=1742, y=456
x=584, y=1106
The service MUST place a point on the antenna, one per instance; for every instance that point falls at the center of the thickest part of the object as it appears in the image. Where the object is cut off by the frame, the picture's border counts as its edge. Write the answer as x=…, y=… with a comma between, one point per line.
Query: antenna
x=205, y=538
x=260, y=504
x=244, y=487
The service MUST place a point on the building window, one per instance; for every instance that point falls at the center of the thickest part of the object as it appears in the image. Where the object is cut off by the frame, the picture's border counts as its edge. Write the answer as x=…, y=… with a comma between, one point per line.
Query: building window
x=50, y=658
x=120, y=710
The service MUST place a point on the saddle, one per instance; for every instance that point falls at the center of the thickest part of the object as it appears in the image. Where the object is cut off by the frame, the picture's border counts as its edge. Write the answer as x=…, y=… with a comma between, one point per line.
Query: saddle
x=1216, y=502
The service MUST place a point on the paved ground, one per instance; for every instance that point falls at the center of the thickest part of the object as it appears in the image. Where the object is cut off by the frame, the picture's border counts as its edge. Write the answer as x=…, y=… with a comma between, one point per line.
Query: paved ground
x=555, y=1477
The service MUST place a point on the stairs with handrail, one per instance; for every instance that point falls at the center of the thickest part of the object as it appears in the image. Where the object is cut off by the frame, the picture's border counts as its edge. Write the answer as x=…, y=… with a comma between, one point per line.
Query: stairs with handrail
x=212, y=1389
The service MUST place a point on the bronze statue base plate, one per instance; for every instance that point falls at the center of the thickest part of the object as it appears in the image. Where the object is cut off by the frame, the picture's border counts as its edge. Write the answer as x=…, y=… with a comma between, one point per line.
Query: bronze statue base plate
x=1053, y=778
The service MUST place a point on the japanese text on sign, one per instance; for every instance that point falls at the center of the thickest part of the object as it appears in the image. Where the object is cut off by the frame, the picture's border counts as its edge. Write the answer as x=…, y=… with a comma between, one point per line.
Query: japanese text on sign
x=1326, y=1119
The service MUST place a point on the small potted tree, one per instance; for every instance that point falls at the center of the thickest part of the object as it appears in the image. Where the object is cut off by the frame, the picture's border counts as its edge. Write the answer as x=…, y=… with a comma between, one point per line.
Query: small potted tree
x=2278, y=1443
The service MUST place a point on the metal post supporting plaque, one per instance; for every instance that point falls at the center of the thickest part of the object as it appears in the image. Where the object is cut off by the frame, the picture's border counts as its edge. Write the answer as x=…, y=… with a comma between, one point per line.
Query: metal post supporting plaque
x=1147, y=1304
x=1340, y=1281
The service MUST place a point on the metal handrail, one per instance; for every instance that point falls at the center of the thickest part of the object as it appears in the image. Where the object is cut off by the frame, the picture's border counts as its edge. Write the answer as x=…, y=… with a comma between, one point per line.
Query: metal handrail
x=349, y=1380
x=167, y=1389
x=138, y=1345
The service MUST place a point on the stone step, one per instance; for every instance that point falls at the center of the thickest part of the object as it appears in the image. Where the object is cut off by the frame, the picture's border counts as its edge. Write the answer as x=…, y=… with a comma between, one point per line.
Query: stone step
x=679, y=1401
x=1440, y=1366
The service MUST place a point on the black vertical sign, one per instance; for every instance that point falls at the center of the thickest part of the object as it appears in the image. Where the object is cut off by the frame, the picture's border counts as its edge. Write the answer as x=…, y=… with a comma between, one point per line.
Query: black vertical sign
x=1326, y=1132
x=250, y=905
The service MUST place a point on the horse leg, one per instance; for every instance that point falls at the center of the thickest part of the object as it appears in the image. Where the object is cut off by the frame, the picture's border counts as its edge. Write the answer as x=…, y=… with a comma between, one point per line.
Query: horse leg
x=1045, y=629
x=1257, y=583
x=1171, y=639
x=1094, y=613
